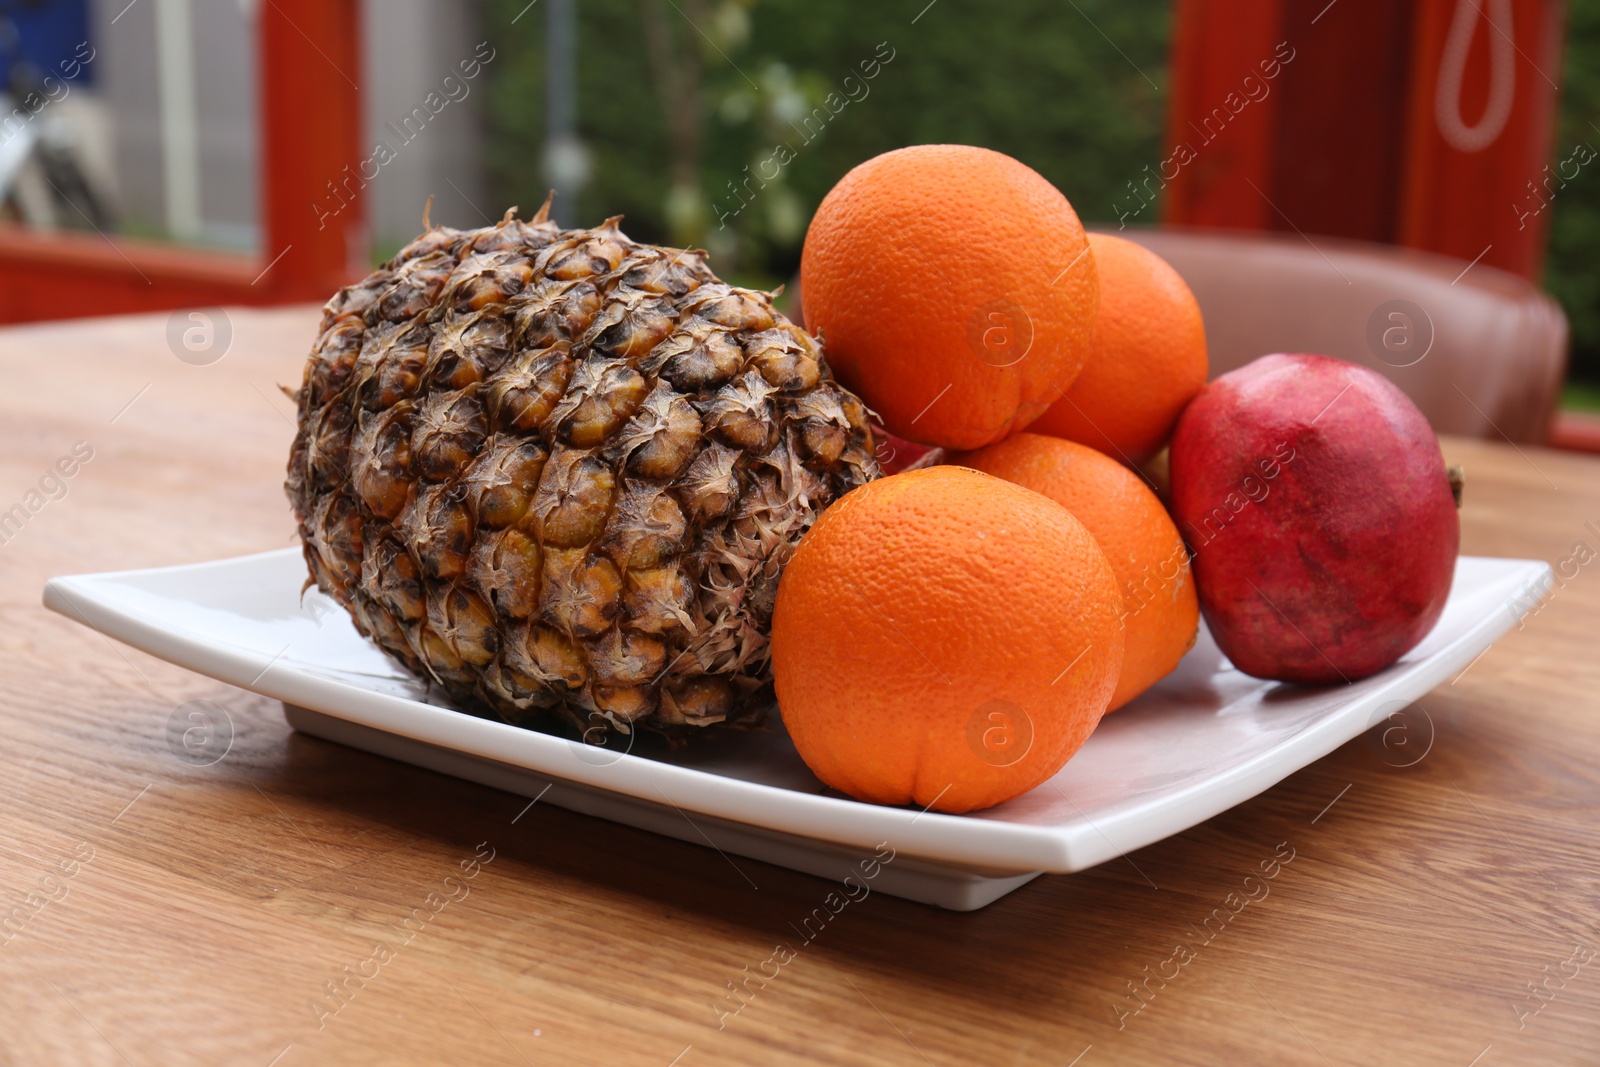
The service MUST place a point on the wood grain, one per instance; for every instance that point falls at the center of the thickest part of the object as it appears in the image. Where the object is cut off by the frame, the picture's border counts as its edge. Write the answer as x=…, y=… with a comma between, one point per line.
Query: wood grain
x=206, y=907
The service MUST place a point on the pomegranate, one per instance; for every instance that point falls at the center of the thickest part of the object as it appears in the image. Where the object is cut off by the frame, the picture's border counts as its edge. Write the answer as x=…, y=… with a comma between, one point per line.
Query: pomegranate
x=1320, y=517
x=896, y=454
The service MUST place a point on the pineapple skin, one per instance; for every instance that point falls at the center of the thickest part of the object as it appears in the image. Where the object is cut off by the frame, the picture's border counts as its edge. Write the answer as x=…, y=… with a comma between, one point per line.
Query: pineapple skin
x=558, y=472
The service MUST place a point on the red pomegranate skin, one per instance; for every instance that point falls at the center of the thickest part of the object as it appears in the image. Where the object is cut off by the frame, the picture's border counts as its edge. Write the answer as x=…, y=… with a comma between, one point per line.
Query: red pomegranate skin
x=1316, y=505
x=895, y=454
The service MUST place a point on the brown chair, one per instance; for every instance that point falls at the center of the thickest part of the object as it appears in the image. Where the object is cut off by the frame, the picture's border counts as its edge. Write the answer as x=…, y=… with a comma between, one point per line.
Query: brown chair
x=1483, y=353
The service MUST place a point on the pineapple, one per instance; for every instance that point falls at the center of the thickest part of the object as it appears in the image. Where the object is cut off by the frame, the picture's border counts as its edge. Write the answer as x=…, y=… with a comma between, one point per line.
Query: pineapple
x=558, y=472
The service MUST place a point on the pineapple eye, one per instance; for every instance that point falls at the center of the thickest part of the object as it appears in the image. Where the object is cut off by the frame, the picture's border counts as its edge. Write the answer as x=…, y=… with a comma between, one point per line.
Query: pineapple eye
x=328, y=451
x=440, y=239
x=336, y=353
x=381, y=460
x=646, y=527
x=625, y=704
x=698, y=358
x=603, y=395
x=499, y=486
x=483, y=280
x=390, y=573
x=391, y=364
x=581, y=593
x=450, y=430
x=626, y=659
x=573, y=499
x=440, y=657
x=584, y=257
x=658, y=600
x=556, y=660
x=662, y=439
x=555, y=313
x=505, y=567
x=667, y=272
x=825, y=431
x=710, y=486
x=377, y=623
x=522, y=396
x=415, y=288
x=468, y=349
x=784, y=360
x=697, y=701
x=737, y=309
x=437, y=527
x=630, y=327
x=336, y=541
x=741, y=414
x=466, y=623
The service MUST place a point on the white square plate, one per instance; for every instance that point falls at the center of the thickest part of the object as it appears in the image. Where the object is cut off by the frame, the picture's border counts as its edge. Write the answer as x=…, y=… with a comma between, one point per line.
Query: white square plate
x=1204, y=739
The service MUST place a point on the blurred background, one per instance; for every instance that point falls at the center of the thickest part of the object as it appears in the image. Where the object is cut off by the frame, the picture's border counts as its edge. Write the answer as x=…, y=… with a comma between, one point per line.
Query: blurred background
x=157, y=154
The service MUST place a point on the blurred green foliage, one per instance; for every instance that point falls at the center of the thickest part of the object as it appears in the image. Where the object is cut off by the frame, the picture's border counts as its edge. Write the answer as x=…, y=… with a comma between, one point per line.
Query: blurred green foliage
x=1037, y=79
x=1572, y=272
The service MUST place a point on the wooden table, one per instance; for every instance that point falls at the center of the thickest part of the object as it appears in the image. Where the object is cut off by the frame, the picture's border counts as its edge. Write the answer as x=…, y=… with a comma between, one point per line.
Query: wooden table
x=192, y=915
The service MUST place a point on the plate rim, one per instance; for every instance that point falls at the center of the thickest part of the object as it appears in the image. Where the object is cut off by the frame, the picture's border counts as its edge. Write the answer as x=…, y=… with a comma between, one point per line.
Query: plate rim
x=958, y=839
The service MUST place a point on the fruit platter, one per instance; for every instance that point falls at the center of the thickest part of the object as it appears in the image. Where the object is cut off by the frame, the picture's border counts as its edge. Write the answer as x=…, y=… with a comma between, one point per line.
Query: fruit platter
x=967, y=559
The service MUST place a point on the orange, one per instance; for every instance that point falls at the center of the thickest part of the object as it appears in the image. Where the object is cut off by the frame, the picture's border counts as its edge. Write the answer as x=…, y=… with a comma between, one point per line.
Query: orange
x=944, y=639
x=1161, y=612
x=1147, y=361
x=953, y=289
